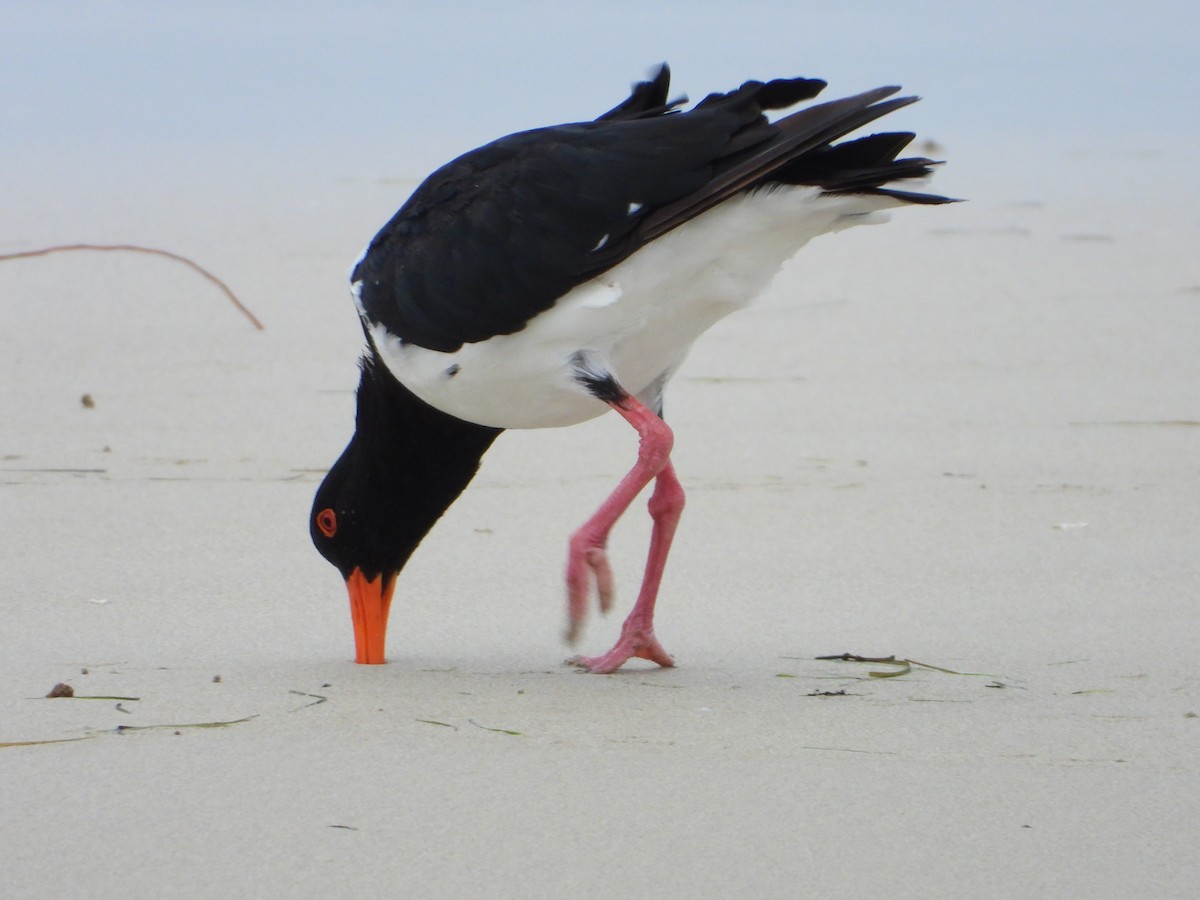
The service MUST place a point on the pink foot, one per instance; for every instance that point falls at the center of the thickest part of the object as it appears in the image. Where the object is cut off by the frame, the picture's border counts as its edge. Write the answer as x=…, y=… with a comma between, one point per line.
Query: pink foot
x=586, y=561
x=639, y=643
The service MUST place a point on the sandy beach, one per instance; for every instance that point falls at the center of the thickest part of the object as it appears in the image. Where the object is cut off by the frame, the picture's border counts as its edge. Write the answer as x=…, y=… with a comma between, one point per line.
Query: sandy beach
x=968, y=438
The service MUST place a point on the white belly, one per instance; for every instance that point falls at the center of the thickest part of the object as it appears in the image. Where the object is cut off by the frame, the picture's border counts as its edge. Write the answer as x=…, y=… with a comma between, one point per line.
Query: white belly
x=641, y=317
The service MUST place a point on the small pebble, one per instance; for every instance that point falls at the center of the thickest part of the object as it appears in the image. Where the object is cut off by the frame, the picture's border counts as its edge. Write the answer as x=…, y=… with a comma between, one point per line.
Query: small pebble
x=61, y=690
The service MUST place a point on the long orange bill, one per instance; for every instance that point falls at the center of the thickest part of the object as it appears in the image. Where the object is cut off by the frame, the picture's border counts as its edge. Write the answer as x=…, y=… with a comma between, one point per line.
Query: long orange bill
x=369, y=604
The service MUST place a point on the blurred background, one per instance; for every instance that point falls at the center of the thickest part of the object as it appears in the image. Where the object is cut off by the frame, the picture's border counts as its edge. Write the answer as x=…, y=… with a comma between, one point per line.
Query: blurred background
x=100, y=93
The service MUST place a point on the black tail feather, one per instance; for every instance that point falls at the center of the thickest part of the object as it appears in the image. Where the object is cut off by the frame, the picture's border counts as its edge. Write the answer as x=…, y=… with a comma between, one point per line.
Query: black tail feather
x=861, y=166
x=803, y=150
x=647, y=98
x=803, y=143
x=790, y=141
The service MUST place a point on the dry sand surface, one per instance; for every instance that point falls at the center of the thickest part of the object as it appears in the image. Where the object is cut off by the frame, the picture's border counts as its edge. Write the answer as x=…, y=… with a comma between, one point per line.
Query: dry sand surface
x=970, y=437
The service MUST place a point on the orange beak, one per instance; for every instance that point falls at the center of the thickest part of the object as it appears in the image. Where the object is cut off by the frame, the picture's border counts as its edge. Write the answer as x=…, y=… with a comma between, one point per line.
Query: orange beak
x=369, y=604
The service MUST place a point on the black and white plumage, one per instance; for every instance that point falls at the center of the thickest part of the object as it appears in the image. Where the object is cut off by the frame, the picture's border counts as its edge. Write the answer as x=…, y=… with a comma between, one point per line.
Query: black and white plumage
x=555, y=274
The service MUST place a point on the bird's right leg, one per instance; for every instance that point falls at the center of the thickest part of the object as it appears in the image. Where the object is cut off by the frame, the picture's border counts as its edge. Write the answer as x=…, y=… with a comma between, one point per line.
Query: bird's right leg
x=637, y=632
x=587, y=556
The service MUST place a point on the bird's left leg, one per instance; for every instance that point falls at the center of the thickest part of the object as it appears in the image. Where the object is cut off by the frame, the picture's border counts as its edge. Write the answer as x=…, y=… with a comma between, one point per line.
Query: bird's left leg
x=588, y=559
x=637, y=633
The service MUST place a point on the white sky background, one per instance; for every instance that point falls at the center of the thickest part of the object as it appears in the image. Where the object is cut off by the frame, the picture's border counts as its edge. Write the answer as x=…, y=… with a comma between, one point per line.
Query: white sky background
x=371, y=89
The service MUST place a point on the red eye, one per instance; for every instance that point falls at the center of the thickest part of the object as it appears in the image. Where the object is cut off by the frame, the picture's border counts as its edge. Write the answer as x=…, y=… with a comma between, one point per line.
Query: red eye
x=327, y=522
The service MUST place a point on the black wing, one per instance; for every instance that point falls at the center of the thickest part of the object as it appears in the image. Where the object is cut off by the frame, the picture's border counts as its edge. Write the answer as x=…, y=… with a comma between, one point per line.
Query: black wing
x=498, y=235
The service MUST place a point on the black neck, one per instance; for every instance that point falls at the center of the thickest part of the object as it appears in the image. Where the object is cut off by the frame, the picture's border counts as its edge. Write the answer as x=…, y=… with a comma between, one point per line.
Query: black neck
x=405, y=465
x=392, y=419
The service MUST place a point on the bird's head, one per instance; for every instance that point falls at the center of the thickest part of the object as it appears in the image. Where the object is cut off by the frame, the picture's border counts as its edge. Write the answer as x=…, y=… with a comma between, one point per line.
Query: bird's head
x=404, y=466
x=352, y=532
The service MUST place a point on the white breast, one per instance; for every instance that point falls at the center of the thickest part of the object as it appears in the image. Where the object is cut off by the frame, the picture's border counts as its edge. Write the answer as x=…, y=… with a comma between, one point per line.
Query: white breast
x=641, y=316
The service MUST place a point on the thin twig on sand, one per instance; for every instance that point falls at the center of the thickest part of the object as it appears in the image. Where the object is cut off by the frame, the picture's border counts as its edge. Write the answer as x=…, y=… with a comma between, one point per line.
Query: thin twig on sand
x=135, y=248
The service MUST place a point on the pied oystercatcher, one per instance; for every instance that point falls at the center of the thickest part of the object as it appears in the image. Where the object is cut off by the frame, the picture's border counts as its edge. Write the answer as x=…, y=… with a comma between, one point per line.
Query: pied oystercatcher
x=557, y=273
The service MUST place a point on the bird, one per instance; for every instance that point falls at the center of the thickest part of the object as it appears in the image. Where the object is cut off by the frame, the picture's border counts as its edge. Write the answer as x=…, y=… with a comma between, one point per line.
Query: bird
x=561, y=273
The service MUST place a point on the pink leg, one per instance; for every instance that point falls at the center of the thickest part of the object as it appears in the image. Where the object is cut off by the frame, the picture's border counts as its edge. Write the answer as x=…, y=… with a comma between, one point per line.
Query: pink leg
x=587, y=557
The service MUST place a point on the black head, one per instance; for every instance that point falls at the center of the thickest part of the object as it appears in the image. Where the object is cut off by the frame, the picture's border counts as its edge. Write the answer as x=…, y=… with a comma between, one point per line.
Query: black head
x=353, y=526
